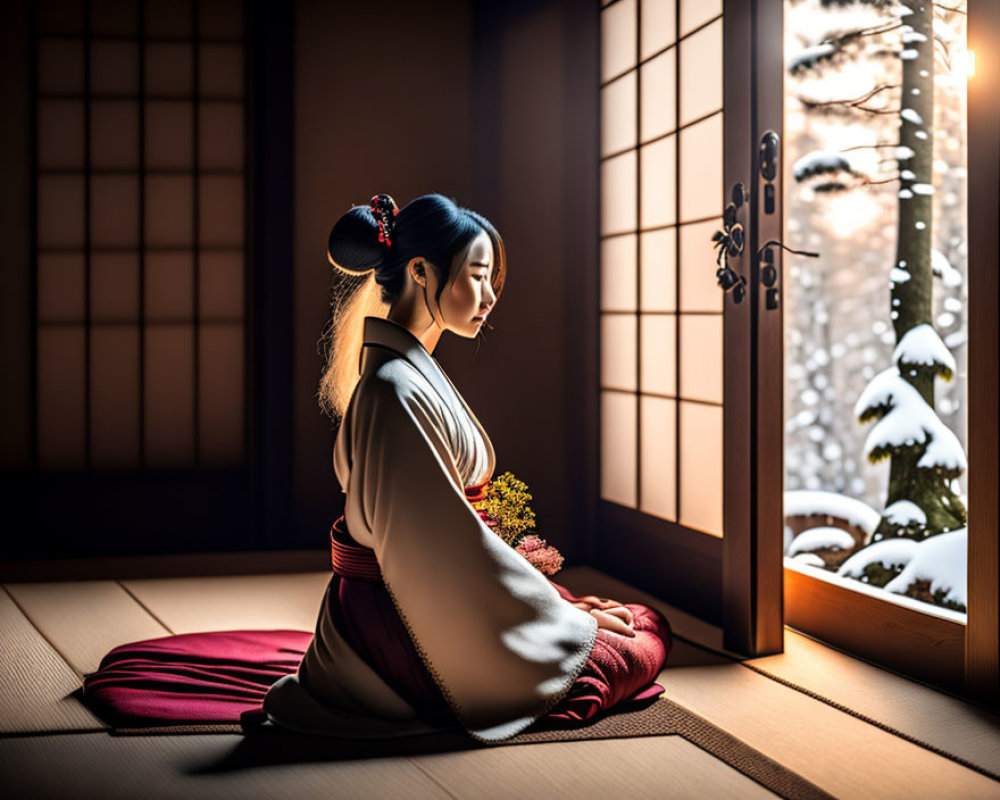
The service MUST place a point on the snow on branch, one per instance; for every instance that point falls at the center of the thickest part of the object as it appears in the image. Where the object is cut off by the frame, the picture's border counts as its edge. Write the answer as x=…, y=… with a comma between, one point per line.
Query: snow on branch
x=807, y=503
x=821, y=162
x=940, y=559
x=921, y=346
x=941, y=267
x=823, y=538
x=905, y=512
x=811, y=56
x=905, y=420
x=889, y=553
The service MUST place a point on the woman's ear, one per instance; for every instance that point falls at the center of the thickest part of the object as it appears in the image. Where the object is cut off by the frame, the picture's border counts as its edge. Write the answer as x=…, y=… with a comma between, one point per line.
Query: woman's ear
x=417, y=271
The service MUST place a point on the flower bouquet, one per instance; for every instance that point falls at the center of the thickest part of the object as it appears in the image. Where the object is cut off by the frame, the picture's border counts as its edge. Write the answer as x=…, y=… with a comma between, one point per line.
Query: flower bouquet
x=503, y=505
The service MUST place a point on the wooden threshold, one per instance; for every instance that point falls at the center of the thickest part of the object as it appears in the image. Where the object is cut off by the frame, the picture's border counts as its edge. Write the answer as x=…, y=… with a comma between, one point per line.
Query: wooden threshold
x=925, y=646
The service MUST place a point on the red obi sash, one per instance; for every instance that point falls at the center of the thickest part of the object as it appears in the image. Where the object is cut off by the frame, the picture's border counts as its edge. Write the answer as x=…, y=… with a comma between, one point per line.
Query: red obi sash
x=352, y=560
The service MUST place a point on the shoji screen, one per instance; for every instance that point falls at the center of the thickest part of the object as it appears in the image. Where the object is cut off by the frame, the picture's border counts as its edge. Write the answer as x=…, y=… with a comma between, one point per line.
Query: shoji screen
x=661, y=367
x=140, y=234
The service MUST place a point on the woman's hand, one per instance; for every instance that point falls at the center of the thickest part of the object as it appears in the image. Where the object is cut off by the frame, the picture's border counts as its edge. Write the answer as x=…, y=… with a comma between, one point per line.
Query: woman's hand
x=617, y=619
x=610, y=614
x=592, y=601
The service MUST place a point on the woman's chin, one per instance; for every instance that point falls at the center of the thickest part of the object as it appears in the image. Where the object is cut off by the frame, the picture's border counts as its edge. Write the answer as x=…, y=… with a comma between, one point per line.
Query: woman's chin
x=468, y=331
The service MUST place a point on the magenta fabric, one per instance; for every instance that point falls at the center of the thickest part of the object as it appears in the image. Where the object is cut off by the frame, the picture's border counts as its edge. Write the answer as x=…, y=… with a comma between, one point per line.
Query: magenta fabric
x=192, y=677
x=215, y=677
x=620, y=670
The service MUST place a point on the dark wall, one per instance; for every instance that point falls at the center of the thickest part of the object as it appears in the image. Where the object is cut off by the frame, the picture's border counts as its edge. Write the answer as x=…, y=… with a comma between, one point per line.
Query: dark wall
x=494, y=104
x=536, y=174
x=382, y=104
x=15, y=228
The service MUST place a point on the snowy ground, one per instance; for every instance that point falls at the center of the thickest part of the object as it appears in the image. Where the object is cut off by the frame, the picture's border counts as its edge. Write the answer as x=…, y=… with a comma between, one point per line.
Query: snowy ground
x=941, y=559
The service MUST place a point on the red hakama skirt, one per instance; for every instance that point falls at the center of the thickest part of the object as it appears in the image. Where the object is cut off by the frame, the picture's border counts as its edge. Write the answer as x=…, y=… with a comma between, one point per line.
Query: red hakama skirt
x=217, y=677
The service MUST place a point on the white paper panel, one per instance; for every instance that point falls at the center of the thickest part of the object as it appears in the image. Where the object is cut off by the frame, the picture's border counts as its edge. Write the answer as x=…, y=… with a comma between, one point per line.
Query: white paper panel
x=618, y=38
x=659, y=95
x=61, y=397
x=114, y=396
x=658, y=345
x=618, y=114
x=220, y=398
x=618, y=273
x=658, y=454
x=658, y=26
x=701, y=169
x=169, y=395
x=658, y=270
x=618, y=177
x=657, y=182
x=699, y=290
x=701, y=73
x=618, y=351
x=698, y=12
x=701, y=357
x=701, y=467
x=618, y=447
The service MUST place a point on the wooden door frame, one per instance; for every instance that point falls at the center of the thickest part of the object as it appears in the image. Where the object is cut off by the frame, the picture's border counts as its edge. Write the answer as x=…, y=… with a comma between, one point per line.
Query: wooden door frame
x=960, y=658
x=753, y=414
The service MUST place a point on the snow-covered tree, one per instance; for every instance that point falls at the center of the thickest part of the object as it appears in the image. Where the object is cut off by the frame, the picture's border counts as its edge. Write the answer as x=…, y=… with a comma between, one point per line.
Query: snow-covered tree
x=925, y=455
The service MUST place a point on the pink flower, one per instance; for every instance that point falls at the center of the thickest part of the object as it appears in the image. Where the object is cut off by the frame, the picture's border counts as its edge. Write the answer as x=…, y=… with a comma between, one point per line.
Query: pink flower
x=544, y=558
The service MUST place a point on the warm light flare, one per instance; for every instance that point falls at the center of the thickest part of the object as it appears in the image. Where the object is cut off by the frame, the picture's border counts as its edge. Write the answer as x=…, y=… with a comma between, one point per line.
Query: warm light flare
x=965, y=64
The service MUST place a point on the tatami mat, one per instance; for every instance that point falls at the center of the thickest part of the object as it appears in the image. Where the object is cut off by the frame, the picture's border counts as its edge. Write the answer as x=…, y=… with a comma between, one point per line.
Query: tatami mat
x=85, y=619
x=836, y=751
x=254, y=602
x=645, y=767
x=957, y=727
x=65, y=628
x=35, y=681
x=88, y=766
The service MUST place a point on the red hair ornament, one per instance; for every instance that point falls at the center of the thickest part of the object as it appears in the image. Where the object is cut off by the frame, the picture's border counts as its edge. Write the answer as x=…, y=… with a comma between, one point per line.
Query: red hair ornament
x=384, y=209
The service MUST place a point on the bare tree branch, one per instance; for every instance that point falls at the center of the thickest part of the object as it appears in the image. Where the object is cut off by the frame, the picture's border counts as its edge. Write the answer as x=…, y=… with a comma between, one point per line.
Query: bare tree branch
x=850, y=36
x=862, y=99
x=870, y=146
x=870, y=182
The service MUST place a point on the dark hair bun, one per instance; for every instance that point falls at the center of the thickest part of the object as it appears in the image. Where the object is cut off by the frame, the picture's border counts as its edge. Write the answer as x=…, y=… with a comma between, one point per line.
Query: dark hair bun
x=353, y=245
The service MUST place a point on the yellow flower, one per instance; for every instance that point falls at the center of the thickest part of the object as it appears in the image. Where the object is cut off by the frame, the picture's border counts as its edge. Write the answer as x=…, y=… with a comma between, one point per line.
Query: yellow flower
x=506, y=501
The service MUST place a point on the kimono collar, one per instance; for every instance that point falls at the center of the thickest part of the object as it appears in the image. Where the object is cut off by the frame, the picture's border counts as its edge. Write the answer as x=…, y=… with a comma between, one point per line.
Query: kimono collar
x=384, y=333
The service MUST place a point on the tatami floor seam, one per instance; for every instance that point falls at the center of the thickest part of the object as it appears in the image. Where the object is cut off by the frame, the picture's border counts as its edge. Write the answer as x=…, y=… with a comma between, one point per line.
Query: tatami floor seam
x=144, y=607
x=40, y=632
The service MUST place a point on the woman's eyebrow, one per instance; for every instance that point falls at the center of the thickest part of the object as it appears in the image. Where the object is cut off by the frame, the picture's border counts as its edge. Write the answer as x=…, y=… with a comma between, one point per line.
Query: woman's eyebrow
x=478, y=263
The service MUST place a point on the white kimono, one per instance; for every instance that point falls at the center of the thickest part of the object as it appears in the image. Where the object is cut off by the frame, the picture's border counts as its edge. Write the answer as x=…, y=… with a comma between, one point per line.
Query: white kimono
x=500, y=642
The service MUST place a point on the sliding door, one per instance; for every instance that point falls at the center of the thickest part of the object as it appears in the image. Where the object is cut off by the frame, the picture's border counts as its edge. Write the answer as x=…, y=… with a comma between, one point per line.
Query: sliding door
x=141, y=430
x=679, y=301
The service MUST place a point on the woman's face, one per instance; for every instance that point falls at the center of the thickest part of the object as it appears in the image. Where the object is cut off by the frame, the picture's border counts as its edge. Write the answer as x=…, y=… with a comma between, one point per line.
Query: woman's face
x=469, y=296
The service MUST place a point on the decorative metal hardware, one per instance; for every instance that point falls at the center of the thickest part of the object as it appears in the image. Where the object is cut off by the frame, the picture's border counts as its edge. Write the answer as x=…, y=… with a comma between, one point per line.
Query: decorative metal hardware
x=769, y=272
x=769, y=153
x=729, y=242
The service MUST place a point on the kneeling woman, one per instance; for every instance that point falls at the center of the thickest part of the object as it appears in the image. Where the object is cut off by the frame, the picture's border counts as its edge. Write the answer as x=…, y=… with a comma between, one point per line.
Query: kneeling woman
x=431, y=621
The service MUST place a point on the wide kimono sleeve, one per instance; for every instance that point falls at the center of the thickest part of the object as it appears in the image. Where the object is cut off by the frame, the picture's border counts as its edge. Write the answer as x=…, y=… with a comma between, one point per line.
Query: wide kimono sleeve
x=502, y=644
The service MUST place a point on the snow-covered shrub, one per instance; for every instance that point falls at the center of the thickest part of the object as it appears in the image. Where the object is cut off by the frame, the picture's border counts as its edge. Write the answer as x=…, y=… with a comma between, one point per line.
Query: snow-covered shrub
x=831, y=545
x=936, y=573
x=880, y=562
